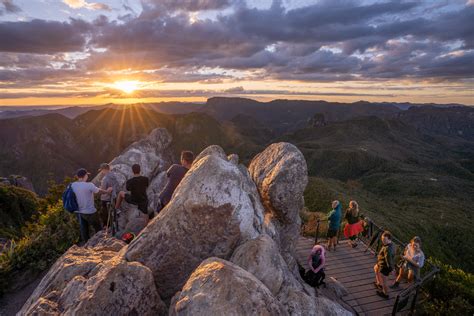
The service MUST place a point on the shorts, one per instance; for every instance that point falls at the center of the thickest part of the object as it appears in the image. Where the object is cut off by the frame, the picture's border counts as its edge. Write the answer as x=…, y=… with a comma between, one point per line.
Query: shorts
x=409, y=266
x=332, y=233
x=385, y=270
x=142, y=205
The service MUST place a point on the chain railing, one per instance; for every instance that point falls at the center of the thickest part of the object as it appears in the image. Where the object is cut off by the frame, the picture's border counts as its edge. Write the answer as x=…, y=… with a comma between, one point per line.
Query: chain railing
x=370, y=237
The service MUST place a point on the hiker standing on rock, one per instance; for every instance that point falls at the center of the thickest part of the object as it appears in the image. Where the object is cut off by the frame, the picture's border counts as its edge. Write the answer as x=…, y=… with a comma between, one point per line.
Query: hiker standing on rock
x=334, y=218
x=108, y=181
x=84, y=192
x=136, y=187
x=175, y=174
x=385, y=264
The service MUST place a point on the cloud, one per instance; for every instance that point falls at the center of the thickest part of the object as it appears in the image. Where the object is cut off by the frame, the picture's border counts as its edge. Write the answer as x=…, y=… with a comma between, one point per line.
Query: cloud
x=8, y=7
x=337, y=40
x=189, y=5
x=78, y=4
x=43, y=37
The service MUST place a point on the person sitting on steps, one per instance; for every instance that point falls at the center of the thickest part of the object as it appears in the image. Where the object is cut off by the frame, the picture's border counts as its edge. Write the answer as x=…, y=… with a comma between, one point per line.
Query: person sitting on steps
x=385, y=264
x=414, y=259
x=136, y=187
x=316, y=261
x=174, y=176
x=334, y=222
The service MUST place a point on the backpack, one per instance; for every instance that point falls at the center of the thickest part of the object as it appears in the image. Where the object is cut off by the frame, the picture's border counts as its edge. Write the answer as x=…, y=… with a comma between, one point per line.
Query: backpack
x=69, y=200
x=316, y=260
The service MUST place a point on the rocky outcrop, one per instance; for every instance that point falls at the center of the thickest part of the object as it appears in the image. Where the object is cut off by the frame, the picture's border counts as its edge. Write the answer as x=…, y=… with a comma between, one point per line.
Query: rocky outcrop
x=218, y=287
x=213, y=150
x=96, y=280
x=211, y=213
x=262, y=258
x=281, y=175
x=153, y=155
x=18, y=181
x=214, y=249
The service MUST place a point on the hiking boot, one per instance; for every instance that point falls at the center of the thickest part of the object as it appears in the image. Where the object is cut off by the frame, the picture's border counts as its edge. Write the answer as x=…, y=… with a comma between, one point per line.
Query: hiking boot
x=395, y=285
x=377, y=286
x=382, y=294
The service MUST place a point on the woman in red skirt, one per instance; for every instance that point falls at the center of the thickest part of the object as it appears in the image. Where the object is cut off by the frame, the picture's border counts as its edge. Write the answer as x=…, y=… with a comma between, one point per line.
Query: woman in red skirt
x=354, y=225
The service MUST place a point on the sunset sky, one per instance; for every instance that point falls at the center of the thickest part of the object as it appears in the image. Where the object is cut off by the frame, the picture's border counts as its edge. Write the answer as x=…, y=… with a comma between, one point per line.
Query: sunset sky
x=124, y=51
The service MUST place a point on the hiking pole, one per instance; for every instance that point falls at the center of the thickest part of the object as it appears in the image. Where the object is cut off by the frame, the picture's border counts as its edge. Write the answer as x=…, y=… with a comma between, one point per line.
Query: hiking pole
x=108, y=221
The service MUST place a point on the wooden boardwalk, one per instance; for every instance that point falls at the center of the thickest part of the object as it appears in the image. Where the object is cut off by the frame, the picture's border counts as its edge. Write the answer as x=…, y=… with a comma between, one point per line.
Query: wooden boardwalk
x=353, y=267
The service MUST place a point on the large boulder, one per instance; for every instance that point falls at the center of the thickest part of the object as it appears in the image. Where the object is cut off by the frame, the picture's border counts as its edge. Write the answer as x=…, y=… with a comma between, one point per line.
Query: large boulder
x=213, y=210
x=77, y=261
x=151, y=153
x=213, y=150
x=280, y=173
x=218, y=287
x=262, y=258
x=96, y=280
x=118, y=288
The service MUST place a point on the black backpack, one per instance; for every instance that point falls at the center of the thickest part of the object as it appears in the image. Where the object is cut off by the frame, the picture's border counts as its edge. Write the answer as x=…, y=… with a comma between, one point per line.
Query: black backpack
x=316, y=259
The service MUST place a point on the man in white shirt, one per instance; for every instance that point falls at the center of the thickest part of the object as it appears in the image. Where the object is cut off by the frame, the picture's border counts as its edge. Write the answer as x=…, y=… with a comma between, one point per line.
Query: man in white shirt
x=84, y=192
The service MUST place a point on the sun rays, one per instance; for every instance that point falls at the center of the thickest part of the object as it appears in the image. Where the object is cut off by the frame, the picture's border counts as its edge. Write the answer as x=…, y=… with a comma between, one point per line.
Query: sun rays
x=127, y=86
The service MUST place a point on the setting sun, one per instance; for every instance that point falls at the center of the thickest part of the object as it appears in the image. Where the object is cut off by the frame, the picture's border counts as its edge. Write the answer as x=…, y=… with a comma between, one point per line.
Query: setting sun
x=127, y=86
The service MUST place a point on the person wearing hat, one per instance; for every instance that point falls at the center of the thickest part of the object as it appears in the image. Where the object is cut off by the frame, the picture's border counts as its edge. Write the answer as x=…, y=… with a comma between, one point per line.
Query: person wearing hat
x=108, y=181
x=84, y=192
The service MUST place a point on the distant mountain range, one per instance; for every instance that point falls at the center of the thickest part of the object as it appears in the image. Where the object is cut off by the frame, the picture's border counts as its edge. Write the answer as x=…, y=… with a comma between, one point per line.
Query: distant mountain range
x=413, y=167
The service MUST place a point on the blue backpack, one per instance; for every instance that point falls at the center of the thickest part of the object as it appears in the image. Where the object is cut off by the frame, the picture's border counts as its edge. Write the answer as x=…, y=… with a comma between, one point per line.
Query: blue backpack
x=69, y=200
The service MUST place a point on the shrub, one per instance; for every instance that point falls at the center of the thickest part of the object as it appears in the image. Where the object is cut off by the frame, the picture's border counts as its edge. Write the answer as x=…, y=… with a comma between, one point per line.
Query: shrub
x=48, y=237
x=450, y=293
x=17, y=205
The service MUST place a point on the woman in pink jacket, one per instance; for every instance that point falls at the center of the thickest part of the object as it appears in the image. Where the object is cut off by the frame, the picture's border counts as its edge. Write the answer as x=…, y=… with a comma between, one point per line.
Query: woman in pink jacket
x=316, y=261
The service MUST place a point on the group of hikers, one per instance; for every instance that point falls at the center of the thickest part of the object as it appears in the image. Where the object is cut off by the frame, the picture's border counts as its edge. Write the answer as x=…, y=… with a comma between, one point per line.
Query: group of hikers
x=410, y=262
x=136, y=193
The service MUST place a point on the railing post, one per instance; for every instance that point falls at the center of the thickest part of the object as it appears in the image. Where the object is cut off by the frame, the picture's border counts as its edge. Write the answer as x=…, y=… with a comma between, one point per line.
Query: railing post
x=413, y=303
x=395, y=307
x=317, y=231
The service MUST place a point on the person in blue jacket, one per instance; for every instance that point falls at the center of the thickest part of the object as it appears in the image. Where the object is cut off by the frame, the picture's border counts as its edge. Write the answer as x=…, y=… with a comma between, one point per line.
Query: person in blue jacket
x=334, y=222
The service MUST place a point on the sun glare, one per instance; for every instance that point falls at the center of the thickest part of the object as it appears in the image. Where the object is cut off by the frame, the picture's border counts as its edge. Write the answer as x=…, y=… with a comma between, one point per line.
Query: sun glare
x=127, y=86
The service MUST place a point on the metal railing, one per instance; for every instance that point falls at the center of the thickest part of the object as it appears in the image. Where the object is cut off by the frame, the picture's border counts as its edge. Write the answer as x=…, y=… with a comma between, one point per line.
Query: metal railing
x=371, y=239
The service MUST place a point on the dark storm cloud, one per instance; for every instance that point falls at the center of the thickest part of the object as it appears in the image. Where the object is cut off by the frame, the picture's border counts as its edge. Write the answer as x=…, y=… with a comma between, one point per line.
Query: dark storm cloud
x=334, y=40
x=7, y=6
x=190, y=5
x=43, y=37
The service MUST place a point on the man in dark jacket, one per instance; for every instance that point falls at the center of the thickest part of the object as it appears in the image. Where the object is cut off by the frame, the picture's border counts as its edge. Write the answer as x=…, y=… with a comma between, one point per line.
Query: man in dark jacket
x=175, y=174
x=385, y=264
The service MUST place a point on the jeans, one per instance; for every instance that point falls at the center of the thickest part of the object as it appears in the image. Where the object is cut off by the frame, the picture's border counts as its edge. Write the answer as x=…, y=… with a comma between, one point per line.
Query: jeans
x=85, y=221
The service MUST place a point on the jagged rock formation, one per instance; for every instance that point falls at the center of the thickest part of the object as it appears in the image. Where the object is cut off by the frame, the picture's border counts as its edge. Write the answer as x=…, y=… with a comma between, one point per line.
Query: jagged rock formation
x=281, y=175
x=153, y=155
x=207, y=292
x=18, y=181
x=318, y=120
x=95, y=280
x=210, y=214
x=214, y=249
